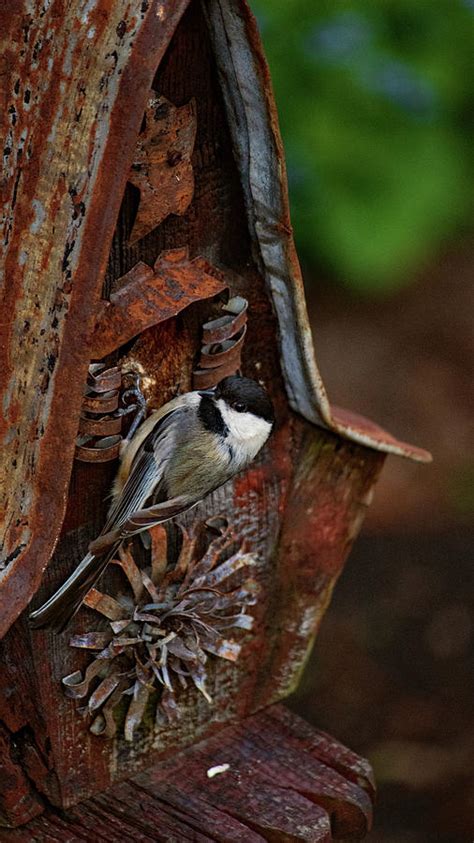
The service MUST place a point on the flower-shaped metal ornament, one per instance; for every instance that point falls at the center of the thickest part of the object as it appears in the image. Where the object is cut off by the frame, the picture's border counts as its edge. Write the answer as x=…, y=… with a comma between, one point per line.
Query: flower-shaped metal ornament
x=163, y=629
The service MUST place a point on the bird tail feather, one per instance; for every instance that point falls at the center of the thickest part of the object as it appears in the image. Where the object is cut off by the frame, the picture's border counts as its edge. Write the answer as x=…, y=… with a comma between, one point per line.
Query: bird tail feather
x=65, y=602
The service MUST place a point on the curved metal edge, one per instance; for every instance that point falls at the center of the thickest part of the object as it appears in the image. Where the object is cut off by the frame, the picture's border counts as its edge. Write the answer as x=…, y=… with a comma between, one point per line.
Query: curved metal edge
x=22, y=577
x=248, y=96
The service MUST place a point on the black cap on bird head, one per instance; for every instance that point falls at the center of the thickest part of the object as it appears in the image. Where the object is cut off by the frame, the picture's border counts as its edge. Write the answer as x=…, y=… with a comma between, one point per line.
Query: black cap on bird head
x=245, y=396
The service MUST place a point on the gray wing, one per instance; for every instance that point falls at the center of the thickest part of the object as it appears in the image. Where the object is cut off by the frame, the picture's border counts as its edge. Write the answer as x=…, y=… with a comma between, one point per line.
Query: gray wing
x=146, y=475
x=148, y=469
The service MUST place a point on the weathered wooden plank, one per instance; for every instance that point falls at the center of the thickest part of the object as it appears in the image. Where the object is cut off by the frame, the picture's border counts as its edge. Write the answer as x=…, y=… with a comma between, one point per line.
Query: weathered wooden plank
x=265, y=791
x=48, y=829
x=263, y=752
x=200, y=815
x=19, y=802
x=321, y=520
x=272, y=758
x=301, y=736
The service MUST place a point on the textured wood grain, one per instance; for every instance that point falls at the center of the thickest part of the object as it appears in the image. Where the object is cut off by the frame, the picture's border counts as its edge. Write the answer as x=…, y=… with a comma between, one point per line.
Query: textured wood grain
x=265, y=790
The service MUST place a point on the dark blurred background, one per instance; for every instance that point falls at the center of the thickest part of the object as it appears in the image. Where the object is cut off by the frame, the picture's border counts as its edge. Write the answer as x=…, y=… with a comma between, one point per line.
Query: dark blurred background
x=376, y=105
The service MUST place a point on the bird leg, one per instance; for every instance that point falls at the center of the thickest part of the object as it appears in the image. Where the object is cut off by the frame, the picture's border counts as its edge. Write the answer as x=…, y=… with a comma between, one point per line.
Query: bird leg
x=134, y=401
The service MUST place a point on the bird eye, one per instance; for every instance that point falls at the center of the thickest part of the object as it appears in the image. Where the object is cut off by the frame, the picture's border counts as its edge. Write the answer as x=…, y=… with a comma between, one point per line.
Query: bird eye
x=240, y=407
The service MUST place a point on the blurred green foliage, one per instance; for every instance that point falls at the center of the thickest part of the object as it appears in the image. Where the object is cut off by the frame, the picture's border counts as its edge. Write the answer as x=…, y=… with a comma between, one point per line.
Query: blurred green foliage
x=376, y=105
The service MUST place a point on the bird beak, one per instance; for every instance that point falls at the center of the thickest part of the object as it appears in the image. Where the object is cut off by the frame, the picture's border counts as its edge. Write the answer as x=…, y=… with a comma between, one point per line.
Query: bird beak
x=207, y=392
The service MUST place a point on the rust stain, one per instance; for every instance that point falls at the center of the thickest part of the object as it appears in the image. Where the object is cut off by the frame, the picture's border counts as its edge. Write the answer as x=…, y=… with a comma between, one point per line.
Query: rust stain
x=148, y=296
x=108, y=450
x=162, y=168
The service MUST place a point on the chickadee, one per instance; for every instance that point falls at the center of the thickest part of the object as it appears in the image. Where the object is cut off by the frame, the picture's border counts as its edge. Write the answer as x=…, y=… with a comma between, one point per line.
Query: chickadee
x=177, y=457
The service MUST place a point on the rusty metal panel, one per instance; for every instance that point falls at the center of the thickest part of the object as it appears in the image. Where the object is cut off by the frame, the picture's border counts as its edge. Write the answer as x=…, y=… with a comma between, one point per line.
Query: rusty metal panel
x=77, y=78
x=162, y=169
x=149, y=296
x=245, y=80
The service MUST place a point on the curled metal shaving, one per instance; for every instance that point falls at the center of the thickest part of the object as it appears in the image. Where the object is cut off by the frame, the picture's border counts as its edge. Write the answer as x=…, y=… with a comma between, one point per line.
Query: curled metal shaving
x=100, y=422
x=223, y=340
x=108, y=397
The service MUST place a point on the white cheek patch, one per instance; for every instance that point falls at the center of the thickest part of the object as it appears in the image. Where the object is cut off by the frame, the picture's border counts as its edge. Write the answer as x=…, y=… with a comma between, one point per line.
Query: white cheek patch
x=245, y=427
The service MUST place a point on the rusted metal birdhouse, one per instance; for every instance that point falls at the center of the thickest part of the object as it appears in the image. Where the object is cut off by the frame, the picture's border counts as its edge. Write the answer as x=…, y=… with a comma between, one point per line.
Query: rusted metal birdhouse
x=147, y=235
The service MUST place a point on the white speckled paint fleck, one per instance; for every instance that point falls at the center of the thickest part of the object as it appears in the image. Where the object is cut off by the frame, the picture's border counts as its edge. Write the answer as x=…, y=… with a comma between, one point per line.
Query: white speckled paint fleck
x=89, y=6
x=217, y=770
x=40, y=215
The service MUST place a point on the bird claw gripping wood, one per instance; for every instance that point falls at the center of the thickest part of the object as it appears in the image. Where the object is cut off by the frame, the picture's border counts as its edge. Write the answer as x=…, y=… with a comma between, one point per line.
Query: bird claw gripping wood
x=101, y=419
x=133, y=400
x=164, y=628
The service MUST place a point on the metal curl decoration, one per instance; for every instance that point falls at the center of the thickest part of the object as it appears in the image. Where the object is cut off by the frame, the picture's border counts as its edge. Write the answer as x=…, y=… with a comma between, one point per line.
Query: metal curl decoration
x=163, y=629
x=107, y=398
x=223, y=339
x=100, y=422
